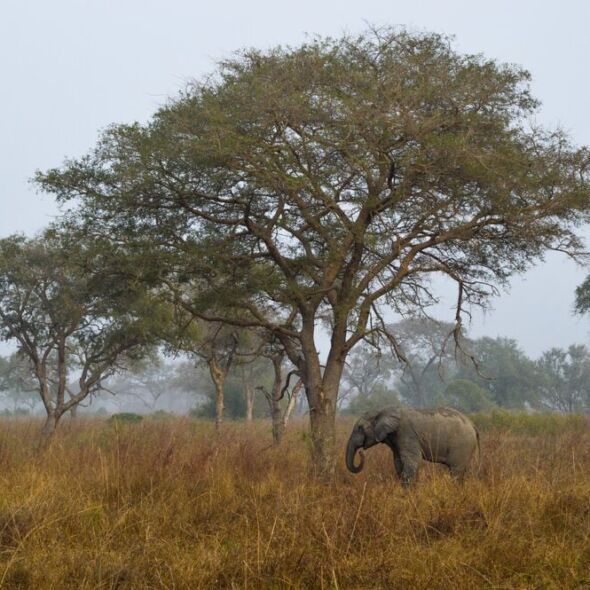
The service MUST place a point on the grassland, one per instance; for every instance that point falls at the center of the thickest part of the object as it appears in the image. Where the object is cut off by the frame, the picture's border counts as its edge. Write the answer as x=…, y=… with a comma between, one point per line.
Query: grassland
x=164, y=504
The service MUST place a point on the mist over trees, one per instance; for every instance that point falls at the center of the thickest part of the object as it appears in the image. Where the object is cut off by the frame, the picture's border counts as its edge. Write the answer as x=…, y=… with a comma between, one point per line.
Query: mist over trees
x=502, y=377
x=69, y=310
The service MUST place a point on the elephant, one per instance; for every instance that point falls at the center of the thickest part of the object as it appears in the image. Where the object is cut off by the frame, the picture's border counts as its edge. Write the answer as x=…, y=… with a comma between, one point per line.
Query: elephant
x=441, y=435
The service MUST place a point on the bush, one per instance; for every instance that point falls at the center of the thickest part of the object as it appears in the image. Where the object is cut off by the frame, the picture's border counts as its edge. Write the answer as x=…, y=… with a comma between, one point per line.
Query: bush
x=127, y=417
x=161, y=415
x=467, y=396
x=234, y=403
x=531, y=424
x=380, y=397
x=15, y=413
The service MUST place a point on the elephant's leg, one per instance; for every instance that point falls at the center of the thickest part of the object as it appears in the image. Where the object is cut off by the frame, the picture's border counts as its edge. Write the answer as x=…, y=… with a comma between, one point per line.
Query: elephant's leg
x=458, y=472
x=409, y=460
x=410, y=454
x=459, y=460
x=397, y=462
x=409, y=470
x=399, y=466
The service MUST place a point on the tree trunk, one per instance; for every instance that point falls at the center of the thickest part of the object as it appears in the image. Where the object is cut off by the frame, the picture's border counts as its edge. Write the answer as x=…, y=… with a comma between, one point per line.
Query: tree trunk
x=249, y=391
x=218, y=377
x=277, y=421
x=48, y=429
x=292, y=403
x=322, y=416
x=321, y=389
x=275, y=400
x=218, y=406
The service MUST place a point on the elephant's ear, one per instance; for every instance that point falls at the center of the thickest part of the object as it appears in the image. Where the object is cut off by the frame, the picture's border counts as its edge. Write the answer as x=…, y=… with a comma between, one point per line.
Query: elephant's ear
x=386, y=423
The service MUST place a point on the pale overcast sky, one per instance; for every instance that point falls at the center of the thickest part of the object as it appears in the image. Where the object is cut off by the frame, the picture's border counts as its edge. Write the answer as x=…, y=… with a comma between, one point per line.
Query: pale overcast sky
x=70, y=67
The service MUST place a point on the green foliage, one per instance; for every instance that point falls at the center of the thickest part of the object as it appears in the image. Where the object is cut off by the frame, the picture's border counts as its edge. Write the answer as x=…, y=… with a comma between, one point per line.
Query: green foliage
x=125, y=417
x=582, y=303
x=72, y=303
x=467, y=396
x=565, y=378
x=317, y=157
x=379, y=397
x=505, y=372
x=538, y=424
x=234, y=402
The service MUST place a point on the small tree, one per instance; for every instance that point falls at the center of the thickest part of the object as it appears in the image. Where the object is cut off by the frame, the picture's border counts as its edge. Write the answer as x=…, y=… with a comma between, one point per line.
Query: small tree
x=366, y=377
x=17, y=381
x=213, y=343
x=505, y=372
x=467, y=396
x=66, y=306
x=565, y=378
x=429, y=353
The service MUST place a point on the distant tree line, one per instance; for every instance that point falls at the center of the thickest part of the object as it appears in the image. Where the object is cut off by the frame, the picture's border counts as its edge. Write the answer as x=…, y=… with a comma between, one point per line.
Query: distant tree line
x=158, y=383
x=482, y=374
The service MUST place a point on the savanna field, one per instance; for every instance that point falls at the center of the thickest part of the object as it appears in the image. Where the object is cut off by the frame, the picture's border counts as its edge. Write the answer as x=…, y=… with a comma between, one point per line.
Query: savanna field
x=166, y=504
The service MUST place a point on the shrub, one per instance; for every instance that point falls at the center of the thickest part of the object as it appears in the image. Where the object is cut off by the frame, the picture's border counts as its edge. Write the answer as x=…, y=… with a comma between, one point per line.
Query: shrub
x=127, y=417
x=531, y=424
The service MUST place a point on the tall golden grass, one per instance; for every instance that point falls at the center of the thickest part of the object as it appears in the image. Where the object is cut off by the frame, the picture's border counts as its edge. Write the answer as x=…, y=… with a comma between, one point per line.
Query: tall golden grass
x=167, y=504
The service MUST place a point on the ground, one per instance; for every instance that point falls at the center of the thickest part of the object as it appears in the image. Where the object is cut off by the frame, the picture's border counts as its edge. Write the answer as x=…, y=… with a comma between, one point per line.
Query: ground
x=165, y=504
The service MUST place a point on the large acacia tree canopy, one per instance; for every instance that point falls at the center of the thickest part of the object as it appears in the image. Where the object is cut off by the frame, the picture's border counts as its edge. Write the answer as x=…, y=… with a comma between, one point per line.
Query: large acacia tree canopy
x=350, y=169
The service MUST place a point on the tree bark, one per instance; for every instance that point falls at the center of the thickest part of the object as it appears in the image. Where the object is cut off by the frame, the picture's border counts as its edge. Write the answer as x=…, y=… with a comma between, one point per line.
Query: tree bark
x=49, y=428
x=321, y=389
x=322, y=396
x=249, y=391
x=292, y=403
x=219, y=407
x=218, y=377
x=277, y=421
x=323, y=434
x=275, y=401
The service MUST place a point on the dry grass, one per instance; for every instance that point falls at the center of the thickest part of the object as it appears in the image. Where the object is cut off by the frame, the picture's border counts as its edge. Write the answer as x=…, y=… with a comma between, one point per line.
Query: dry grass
x=166, y=505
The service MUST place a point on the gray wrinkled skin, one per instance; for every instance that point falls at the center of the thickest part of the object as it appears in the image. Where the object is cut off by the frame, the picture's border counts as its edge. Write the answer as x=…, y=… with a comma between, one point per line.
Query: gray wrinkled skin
x=442, y=435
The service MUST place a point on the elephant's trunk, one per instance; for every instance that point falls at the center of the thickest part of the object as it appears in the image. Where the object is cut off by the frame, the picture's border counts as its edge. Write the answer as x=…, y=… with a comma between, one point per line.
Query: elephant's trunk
x=351, y=450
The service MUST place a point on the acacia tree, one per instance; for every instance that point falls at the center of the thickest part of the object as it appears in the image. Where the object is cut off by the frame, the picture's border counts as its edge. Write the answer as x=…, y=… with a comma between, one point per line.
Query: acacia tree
x=366, y=374
x=428, y=354
x=216, y=345
x=17, y=381
x=333, y=179
x=247, y=373
x=506, y=373
x=65, y=309
x=565, y=378
x=148, y=380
